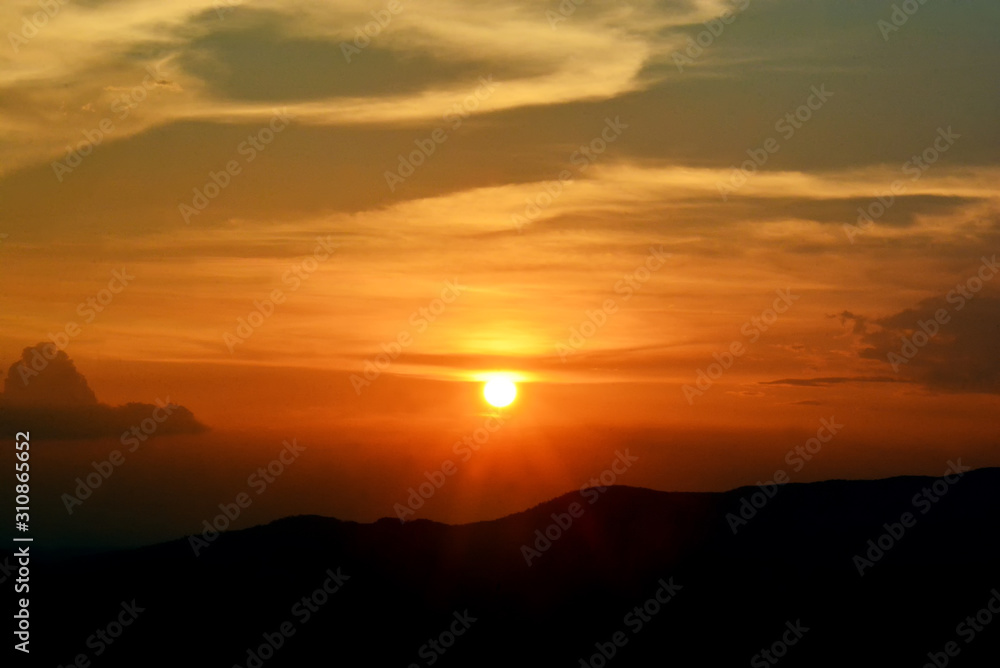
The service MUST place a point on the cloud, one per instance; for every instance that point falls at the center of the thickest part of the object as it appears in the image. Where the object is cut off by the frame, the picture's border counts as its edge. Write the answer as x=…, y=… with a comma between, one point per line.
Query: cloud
x=58, y=385
x=232, y=62
x=219, y=78
x=240, y=64
x=832, y=380
x=256, y=60
x=962, y=354
x=44, y=393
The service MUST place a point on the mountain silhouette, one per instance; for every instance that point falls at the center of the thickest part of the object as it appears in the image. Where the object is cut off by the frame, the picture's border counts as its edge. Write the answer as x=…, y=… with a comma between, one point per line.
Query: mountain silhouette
x=636, y=578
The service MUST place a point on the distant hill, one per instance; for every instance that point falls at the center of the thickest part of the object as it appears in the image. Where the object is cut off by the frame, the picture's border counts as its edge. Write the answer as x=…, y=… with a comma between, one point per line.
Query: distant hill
x=789, y=573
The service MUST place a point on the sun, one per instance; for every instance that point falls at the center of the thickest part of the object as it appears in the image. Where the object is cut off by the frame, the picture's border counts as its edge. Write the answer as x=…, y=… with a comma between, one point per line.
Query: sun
x=499, y=392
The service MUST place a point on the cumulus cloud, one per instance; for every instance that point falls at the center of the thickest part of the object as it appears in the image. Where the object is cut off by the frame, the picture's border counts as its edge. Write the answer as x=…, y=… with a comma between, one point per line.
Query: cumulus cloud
x=56, y=385
x=45, y=393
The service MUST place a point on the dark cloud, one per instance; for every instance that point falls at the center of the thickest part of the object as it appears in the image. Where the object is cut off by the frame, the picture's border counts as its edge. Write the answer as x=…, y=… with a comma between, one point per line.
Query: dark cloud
x=926, y=74
x=832, y=380
x=962, y=355
x=860, y=322
x=39, y=381
x=44, y=393
x=707, y=212
x=253, y=56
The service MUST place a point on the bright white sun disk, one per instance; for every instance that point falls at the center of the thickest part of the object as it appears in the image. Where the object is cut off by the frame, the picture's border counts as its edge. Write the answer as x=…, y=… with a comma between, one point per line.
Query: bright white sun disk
x=500, y=392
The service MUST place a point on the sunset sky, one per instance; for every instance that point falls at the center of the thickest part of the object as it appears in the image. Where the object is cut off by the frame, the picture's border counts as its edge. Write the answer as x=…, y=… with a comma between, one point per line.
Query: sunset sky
x=475, y=183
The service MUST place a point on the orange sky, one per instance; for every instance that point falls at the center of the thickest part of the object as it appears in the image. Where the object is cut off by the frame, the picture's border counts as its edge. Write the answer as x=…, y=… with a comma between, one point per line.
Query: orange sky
x=477, y=184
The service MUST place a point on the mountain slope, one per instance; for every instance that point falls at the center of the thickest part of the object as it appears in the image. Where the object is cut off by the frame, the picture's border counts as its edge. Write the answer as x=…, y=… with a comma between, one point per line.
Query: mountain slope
x=730, y=595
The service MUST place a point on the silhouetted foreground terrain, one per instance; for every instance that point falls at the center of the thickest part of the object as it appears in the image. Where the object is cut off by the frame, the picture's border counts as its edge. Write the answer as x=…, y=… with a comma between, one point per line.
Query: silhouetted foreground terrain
x=786, y=582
